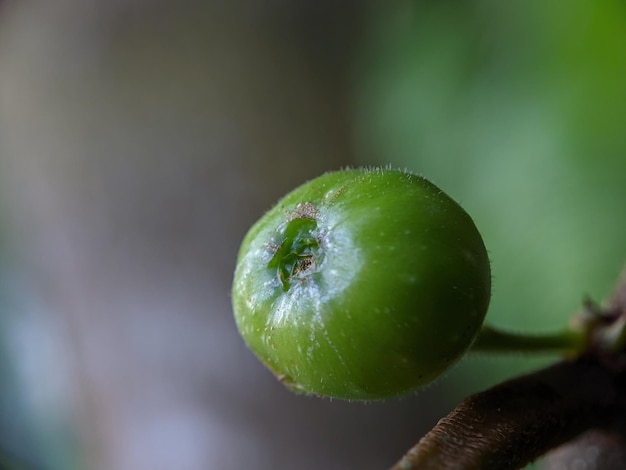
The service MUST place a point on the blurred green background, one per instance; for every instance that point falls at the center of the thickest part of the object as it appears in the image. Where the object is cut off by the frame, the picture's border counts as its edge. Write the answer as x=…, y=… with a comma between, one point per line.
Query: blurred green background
x=518, y=111
x=139, y=140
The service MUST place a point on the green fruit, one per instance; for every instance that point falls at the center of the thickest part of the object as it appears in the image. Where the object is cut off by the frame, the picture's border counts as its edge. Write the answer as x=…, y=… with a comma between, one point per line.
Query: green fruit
x=362, y=284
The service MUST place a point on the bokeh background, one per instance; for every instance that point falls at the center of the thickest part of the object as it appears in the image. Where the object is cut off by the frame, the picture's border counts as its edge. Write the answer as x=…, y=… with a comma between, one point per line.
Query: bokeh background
x=140, y=139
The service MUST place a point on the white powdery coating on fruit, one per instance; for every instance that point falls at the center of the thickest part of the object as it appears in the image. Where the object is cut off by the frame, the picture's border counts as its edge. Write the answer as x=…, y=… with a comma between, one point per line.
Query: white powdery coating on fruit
x=341, y=264
x=310, y=299
x=252, y=271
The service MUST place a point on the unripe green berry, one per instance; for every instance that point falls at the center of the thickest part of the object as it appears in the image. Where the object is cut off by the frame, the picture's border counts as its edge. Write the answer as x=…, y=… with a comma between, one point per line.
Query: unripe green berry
x=362, y=284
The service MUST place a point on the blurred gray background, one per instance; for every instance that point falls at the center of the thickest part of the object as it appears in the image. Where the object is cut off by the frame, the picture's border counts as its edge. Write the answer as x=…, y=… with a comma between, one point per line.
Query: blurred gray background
x=139, y=140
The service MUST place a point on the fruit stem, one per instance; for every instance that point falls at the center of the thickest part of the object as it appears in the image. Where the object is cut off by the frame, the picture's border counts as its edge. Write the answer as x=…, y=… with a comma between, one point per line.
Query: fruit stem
x=492, y=340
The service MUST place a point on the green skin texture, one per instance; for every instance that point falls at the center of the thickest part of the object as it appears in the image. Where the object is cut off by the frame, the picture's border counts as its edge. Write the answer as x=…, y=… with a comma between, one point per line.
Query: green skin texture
x=362, y=284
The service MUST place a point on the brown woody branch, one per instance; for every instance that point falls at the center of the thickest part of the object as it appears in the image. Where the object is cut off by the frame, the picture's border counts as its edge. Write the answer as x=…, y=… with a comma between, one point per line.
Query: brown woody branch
x=513, y=423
